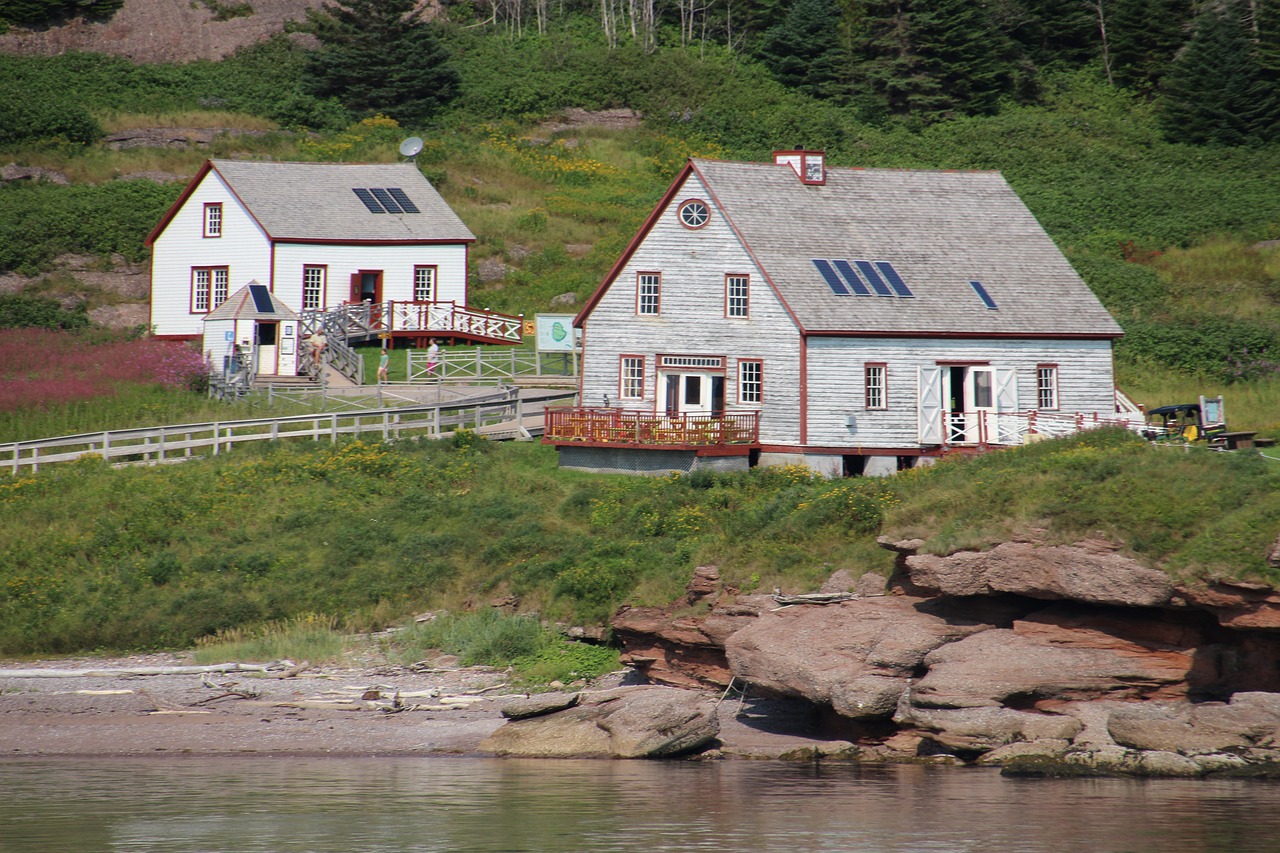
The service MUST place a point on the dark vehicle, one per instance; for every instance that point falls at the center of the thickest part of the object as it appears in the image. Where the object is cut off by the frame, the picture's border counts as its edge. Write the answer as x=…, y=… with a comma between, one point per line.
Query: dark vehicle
x=1202, y=421
x=1199, y=422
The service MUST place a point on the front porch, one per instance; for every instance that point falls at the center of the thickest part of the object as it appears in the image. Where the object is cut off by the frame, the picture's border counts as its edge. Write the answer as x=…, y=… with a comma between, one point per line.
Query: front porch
x=731, y=433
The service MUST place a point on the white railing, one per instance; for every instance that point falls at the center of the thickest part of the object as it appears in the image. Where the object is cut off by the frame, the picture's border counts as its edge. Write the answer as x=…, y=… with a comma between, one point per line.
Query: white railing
x=177, y=443
x=1014, y=428
x=365, y=320
x=489, y=365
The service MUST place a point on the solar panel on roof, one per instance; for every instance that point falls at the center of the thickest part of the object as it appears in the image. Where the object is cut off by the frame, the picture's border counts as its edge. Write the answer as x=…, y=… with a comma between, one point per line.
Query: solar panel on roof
x=262, y=299
x=853, y=279
x=368, y=199
x=833, y=281
x=895, y=281
x=385, y=198
x=873, y=278
x=983, y=295
x=406, y=203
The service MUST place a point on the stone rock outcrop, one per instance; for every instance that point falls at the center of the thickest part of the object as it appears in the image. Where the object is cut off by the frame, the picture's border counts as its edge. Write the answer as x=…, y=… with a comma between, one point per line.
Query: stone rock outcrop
x=1048, y=659
x=1248, y=720
x=159, y=31
x=1088, y=572
x=857, y=656
x=1236, y=605
x=628, y=722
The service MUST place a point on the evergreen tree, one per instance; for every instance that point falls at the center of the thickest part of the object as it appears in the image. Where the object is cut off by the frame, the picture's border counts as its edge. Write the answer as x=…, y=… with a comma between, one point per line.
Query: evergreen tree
x=1144, y=36
x=378, y=56
x=1266, y=52
x=44, y=11
x=1051, y=32
x=1211, y=89
x=805, y=51
x=934, y=58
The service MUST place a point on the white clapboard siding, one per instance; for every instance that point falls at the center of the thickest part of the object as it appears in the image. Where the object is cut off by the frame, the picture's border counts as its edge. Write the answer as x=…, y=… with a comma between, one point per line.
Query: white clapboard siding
x=693, y=265
x=243, y=248
x=836, y=382
x=395, y=262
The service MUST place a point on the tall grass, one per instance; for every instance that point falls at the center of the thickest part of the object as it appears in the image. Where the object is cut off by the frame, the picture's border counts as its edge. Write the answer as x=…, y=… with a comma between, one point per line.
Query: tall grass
x=301, y=638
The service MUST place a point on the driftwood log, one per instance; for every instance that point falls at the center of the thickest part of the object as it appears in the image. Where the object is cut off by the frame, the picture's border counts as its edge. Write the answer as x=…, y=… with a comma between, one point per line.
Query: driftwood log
x=139, y=671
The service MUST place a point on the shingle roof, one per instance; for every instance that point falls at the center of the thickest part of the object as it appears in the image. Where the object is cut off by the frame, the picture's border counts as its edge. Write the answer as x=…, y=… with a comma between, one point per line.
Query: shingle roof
x=314, y=201
x=939, y=230
x=241, y=306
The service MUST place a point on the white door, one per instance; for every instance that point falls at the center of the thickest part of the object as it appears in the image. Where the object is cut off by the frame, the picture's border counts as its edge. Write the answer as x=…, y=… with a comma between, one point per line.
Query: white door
x=979, y=404
x=1007, y=430
x=929, y=396
x=693, y=393
x=268, y=348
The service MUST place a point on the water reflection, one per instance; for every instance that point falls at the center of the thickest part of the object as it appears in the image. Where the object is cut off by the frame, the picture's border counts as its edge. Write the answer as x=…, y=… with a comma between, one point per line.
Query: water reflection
x=319, y=805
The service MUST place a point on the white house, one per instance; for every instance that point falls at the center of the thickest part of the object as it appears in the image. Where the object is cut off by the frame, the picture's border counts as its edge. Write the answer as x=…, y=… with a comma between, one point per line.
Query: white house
x=317, y=235
x=852, y=320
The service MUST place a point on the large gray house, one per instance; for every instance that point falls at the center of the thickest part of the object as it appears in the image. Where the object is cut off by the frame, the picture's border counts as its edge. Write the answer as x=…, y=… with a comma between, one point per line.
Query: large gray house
x=852, y=320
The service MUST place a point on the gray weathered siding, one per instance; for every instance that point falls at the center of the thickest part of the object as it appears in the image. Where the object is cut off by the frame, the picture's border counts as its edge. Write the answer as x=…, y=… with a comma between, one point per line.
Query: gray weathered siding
x=835, y=370
x=693, y=264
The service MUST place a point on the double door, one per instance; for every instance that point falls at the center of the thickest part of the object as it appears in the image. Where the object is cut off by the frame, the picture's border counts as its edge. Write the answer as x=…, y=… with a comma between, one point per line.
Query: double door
x=962, y=404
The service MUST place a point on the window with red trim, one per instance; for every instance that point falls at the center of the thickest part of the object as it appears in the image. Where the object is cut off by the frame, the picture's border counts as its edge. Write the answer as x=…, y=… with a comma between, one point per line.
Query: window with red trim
x=648, y=293
x=631, y=377
x=213, y=219
x=314, y=281
x=208, y=288
x=737, y=295
x=875, y=390
x=750, y=381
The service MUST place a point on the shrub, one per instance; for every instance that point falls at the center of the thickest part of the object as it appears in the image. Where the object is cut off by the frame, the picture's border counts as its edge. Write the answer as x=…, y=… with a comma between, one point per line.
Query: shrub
x=18, y=310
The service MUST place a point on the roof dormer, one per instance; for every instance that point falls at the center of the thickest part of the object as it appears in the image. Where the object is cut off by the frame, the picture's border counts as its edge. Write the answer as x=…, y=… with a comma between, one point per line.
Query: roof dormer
x=809, y=166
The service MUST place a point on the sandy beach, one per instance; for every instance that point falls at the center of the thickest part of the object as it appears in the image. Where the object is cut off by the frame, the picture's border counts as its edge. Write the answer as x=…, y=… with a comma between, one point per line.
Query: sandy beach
x=321, y=710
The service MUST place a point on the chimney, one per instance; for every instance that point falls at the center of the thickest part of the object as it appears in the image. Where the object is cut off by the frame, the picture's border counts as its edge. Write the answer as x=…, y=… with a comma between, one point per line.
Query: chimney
x=809, y=166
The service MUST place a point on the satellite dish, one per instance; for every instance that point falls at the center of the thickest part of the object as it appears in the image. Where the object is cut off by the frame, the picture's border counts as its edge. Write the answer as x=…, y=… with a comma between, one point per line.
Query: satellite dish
x=410, y=147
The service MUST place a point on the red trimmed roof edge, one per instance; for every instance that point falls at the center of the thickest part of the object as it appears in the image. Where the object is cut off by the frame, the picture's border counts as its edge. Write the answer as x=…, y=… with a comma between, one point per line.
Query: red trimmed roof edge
x=177, y=205
x=649, y=222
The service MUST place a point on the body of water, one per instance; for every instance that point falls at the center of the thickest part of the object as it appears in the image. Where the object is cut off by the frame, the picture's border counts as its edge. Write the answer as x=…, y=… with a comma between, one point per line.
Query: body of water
x=416, y=805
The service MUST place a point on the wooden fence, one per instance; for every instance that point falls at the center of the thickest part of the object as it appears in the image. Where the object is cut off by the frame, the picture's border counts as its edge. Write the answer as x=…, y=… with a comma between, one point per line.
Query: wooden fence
x=177, y=443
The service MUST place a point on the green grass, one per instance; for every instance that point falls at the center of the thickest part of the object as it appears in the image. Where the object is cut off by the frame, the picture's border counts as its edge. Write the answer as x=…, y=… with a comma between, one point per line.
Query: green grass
x=301, y=638
x=369, y=534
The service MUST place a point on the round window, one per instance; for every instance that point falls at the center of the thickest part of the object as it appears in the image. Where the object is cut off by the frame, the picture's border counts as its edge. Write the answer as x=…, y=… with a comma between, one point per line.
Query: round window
x=694, y=213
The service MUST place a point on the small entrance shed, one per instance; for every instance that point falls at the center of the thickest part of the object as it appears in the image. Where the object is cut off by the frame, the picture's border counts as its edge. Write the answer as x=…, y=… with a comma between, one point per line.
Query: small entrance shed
x=253, y=328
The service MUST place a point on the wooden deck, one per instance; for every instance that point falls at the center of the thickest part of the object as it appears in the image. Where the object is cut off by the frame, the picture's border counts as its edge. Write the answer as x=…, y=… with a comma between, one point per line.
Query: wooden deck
x=601, y=427
x=417, y=322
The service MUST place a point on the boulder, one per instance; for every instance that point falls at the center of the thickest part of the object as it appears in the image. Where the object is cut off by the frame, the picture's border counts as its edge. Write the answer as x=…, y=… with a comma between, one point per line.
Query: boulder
x=1249, y=720
x=1089, y=572
x=856, y=656
x=984, y=729
x=629, y=722
x=684, y=651
x=1022, y=750
x=538, y=704
x=1002, y=666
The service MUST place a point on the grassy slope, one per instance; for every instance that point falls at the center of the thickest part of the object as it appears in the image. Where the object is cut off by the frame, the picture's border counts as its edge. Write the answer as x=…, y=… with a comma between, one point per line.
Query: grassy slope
x=98, y=558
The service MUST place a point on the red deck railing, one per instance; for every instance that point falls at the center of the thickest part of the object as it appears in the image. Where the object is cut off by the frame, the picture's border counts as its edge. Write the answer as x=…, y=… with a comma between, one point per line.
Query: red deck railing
x=622, y=427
